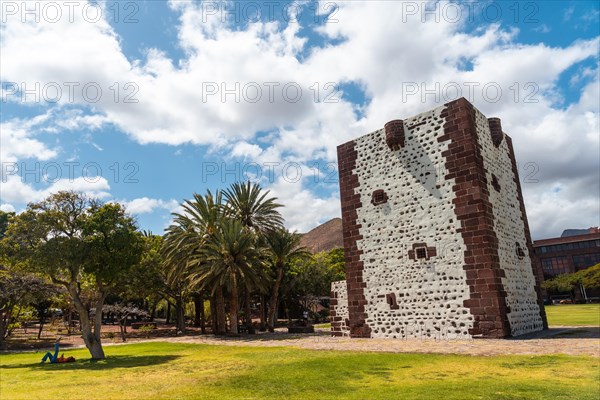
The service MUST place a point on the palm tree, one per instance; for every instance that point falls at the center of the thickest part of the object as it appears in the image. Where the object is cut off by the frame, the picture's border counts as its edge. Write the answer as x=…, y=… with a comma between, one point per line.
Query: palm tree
x=257, y=212
x=247, y=203
x=283, y=246
x=231, y=259
x=176, y=248
x=184, y=241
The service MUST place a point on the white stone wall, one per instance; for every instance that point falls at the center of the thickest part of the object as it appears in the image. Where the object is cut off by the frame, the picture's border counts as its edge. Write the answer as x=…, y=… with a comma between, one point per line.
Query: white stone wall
x=430, y=294
x=519, y=283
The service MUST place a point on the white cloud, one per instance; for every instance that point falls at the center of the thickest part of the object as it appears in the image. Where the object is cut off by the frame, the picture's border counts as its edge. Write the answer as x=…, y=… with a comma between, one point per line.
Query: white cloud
x=145, y=205
x=17, y=141
x=7, y=207
x=543, y=28
x=568, y=13
x=246, y=150
x=303, y=209
x=373, y=46
x=19, y=191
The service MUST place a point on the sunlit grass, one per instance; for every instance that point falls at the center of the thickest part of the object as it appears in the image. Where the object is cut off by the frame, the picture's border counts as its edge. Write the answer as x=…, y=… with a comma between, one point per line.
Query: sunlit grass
x=187, y=371
x=573, y=314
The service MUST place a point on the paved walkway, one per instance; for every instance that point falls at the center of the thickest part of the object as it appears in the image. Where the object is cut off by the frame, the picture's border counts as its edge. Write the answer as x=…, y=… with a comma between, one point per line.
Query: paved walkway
x=564, y=340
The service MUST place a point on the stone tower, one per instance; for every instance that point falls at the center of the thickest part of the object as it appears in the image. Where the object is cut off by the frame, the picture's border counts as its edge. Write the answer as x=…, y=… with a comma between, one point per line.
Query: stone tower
x=435, y=233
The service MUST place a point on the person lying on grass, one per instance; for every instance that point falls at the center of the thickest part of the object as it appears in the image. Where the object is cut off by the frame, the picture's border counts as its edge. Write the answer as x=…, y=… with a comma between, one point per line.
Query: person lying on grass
x=54, y=358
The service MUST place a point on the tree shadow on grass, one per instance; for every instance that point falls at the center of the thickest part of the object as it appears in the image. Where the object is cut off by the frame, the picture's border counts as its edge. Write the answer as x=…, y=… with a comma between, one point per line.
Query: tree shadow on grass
x=110, y=362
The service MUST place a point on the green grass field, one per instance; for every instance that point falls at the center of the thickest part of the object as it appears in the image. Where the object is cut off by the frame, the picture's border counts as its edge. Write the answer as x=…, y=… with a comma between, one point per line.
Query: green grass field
x=573, y=314
x=187, y=371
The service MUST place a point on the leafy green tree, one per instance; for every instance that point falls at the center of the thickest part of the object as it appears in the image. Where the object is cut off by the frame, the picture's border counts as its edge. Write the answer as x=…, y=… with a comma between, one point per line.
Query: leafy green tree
x=560, y=283
x=311, y=278
x=144, y=281
x=589, y=277
x=80, y=244
x=19, y=289
x=283, y=247
x=4, y=219
x=567, y=283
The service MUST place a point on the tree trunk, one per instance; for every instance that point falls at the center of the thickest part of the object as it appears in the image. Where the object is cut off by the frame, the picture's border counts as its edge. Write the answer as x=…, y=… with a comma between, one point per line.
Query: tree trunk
x=202, y=316
x=69, y=319
x=198, y=308
x=263, y=313
x=153, y=311
x=91, y=339
x=179, y=315
x=42, y=317
x=122, y=323
x=1, y=330
x=95, y=348
x=248, y=312
x=233, y=306
x=213, y=314
x=168, y=312
x=274, y=300
x=220, y=311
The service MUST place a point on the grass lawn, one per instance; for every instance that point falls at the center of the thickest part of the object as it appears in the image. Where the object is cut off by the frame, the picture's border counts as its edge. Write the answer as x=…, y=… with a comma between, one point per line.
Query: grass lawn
x=573, y=314
x=189, y=371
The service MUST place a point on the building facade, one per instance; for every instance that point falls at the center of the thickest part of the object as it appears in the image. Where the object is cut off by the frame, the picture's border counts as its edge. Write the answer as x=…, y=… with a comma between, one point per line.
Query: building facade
x=435, y=233
x=565, y=255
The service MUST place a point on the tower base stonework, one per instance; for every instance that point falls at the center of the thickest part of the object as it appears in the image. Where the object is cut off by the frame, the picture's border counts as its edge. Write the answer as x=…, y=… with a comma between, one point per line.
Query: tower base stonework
x=436, y=238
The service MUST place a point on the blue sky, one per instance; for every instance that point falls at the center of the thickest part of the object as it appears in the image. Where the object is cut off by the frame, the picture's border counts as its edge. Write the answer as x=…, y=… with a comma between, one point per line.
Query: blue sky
x=194, y=98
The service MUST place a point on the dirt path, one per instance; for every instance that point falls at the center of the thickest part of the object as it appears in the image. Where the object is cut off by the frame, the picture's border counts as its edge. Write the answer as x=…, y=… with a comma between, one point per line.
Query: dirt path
x=557, y=340
x=565, y=340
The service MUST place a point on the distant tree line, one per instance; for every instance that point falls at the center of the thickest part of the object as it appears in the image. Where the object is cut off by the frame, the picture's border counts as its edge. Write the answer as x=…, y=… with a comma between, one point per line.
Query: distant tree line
x=226, y=255
x=583, y=280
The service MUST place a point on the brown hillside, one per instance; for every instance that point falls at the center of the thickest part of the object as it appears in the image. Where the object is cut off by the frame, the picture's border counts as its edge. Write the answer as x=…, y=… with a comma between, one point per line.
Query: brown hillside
x=324, y=237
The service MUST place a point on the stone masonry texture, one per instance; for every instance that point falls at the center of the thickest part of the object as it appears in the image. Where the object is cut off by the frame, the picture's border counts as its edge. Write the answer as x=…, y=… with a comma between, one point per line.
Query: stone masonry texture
x=448, y=254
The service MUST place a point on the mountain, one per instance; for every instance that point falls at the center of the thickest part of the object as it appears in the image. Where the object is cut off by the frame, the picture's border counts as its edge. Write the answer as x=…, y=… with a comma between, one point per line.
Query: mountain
x=324, y=237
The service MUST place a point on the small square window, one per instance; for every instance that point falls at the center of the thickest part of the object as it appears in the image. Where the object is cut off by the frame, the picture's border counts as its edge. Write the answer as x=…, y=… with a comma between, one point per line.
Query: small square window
x=421, y=252
x=379, y=197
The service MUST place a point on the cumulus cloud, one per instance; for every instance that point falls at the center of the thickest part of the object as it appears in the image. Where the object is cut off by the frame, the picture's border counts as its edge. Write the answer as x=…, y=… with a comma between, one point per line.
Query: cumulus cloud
x=7, y=208
x=18, y=190
x=18, y=140
x=145, y=205
x=303, y=210
x=403, y=65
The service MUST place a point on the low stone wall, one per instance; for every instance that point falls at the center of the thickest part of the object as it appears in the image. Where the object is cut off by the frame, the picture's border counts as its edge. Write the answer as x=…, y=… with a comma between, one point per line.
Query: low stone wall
x=339, y=309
